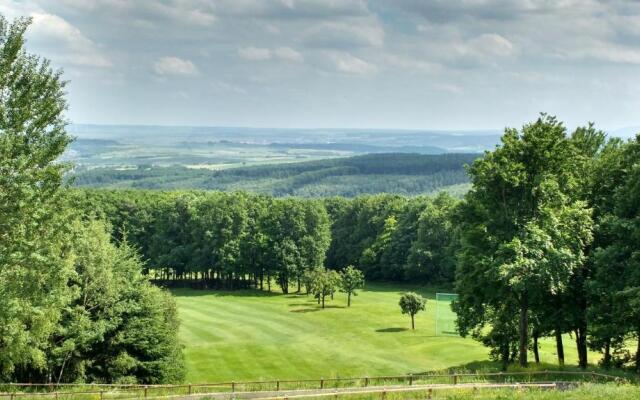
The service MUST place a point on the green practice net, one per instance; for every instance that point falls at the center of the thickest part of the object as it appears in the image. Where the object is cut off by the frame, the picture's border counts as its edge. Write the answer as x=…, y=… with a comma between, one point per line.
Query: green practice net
x=445, y=317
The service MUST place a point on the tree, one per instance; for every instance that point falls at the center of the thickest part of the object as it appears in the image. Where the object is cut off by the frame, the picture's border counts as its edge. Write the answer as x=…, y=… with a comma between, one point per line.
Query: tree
x=411, y=303
x=615, y=286
x=116, y=327
x=33, y=263
x=350, y=280
x=325, y=282
x=523, y=225
x=431, y=256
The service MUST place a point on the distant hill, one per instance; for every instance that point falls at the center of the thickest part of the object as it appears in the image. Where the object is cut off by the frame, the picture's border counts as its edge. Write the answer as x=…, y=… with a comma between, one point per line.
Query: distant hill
x=401, y=173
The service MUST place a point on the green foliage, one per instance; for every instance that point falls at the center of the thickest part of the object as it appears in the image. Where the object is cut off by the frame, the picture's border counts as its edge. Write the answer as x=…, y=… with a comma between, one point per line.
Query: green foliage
x=615, y=283
x=117, y=327
x=323, y=283
x=411, y=303
x=33, y=266
x=431, y=255
x=73, y=306
x=351, y=279
x=524, y=229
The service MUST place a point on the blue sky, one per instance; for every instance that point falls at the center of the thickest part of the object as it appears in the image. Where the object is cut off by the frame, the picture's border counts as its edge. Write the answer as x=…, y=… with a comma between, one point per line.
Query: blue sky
x=414, y=64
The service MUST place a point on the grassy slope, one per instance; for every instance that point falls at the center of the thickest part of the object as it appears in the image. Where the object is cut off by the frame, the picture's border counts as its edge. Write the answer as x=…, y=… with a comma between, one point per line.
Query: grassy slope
x=246, y=335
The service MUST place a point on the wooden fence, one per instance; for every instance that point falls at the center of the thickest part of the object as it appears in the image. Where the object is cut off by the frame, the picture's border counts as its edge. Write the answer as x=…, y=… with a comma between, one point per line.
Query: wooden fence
x=70, y=391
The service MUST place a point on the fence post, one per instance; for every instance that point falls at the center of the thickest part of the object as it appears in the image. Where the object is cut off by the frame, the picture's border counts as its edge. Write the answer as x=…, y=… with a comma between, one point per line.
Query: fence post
x=455, y=379
x=145, y=391
x=233, y=386
x=429, y=393
x=277, y=386
x=366, y=381
x=101, y=395
x=384, y=394
x=321, y=383
x=189, y=388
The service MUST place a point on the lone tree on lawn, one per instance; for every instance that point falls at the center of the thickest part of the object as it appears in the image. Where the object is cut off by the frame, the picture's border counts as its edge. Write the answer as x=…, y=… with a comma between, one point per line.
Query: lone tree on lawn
x=412, y=303
x=325, y=283
x=350, y=280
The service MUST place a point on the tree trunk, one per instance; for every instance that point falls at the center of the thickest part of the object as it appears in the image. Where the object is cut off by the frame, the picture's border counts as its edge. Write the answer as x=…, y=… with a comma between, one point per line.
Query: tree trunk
x=349, y=299
x=606, y=359
x=299, y=286
x=536, y=354
x=559, y=347
x=504, y=349
x=524, y=329
x=581, y=344
x=638, y=354
x=413, y=325
x=323, y=301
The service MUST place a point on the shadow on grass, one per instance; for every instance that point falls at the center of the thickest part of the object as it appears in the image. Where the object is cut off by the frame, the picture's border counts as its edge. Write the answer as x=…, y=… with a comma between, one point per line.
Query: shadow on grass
x=391, y=330
x=428, y=291
x=305, y=310
x=313, y=309
x=181, y=292
x=308, y=303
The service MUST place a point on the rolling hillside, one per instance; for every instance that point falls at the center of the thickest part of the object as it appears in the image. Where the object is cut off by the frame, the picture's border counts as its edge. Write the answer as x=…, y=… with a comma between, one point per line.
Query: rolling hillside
x=408, y=174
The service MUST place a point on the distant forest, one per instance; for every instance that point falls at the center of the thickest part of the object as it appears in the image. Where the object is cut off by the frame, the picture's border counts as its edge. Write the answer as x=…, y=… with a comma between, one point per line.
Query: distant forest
x=406, y=174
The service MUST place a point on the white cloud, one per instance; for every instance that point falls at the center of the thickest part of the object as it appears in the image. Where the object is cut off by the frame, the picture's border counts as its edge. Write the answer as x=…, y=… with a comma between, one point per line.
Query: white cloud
x=411, y=63
x=174, y=66
x=71, y=45
x=347, y=63
x=295, y=9
x=490, y=44
x=288, y=54
x=353, y=33
x=254, y=53
x=261, y=54
x=609, y=53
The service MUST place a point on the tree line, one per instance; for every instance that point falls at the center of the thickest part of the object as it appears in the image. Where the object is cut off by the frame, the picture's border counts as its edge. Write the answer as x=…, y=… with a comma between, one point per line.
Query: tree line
x=239, y=239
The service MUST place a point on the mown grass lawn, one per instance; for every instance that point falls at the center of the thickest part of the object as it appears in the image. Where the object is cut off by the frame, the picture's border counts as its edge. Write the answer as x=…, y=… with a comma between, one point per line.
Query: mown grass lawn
x=250, y=335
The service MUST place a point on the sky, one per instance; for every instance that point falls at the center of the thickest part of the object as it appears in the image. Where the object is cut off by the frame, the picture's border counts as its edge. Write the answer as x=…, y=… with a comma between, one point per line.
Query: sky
x=405, y=64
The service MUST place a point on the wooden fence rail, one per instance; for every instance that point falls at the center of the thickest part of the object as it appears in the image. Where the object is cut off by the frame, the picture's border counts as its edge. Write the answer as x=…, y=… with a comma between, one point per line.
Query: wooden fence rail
x=16, y=391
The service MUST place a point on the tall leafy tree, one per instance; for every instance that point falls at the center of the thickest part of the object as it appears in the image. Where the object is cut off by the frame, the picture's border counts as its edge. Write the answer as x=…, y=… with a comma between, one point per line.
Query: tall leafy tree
x=524, y=228
x=33, y=263
x=616, y=283
x=116, y=326
x=431, y=256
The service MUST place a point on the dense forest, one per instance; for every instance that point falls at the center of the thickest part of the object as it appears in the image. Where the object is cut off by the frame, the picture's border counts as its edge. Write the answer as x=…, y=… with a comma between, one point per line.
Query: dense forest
x=239, y=239
x=407, y=174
